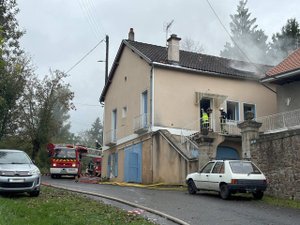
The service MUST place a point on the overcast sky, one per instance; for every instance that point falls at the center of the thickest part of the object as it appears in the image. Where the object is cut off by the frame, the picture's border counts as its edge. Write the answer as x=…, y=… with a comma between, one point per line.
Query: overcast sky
x=60, y=32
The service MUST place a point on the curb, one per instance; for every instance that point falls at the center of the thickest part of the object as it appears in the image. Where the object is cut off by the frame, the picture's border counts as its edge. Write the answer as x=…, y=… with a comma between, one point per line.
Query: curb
x=164, y=215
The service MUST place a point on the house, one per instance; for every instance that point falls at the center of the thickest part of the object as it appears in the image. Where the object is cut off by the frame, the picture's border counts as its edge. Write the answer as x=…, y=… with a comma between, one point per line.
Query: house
x=286, y=75
x=152, y=110
x=275, y=147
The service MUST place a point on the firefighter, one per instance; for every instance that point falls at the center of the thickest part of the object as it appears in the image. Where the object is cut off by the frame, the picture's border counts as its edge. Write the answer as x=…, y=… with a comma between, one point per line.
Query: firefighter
x=97, y=144
x=205, y=119
x=223, y=118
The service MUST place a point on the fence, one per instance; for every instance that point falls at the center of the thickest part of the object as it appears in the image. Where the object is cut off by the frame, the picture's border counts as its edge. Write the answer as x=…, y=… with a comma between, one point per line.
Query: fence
x=280, y=121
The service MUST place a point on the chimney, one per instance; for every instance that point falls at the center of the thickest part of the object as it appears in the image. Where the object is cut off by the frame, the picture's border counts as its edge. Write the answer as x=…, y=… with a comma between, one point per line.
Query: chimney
x=131, y=35
x=173, y=49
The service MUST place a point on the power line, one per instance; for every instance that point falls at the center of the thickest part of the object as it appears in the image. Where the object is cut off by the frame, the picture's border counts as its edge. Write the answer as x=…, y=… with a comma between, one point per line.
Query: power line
x=228, y=32
x=90, y=19
x=79, y=61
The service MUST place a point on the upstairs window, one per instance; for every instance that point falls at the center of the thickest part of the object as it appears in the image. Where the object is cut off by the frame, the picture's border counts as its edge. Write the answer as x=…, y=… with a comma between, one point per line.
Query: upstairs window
x=124, y=112
x=249, y=107
x=233, y=111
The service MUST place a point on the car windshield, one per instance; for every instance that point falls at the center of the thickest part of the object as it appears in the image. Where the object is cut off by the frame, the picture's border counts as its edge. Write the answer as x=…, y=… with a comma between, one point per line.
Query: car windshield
x=244, y=168
x=11, y=157
x=65, y=153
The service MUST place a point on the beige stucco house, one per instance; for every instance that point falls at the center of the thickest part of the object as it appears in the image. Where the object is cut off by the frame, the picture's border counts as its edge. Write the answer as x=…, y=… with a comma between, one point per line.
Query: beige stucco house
x=152, y=110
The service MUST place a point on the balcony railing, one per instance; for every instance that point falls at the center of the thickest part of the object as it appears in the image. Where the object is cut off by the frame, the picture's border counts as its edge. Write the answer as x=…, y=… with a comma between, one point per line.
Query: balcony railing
x=229, y=128
x=111, y=137
x=141, y=123
x=280, y=121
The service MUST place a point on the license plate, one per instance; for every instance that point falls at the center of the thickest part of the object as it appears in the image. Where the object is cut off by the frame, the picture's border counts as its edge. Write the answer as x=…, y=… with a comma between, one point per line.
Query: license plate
x=16, y=180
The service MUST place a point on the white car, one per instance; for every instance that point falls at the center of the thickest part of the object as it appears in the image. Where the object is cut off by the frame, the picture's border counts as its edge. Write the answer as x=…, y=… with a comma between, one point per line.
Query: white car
x=228, y=177
x=18, y=173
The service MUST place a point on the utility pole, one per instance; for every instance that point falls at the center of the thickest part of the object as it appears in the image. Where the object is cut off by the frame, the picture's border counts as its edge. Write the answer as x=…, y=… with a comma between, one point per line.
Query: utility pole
x=106, y=58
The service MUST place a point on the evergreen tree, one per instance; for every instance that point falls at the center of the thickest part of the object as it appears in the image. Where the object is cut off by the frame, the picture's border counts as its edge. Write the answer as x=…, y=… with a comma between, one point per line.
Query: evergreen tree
x=96, y=131
x=248, y=42
x=285, y=42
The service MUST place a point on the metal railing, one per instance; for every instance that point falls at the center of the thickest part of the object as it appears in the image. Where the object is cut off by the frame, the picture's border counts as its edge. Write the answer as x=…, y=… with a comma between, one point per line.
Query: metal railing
x=192, y=149
x=280, y=121
x=229, y=128
x=141, y=122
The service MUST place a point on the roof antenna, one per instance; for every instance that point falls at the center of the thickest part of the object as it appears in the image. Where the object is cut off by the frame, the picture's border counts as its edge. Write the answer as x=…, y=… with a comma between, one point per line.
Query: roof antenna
x=167, y=27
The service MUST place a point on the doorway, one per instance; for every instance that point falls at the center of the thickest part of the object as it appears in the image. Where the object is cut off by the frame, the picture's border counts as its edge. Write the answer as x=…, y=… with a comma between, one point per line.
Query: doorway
x=206, y=106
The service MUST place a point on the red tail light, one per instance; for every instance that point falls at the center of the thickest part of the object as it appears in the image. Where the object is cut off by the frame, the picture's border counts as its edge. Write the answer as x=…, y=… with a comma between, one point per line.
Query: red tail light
x=234, y=181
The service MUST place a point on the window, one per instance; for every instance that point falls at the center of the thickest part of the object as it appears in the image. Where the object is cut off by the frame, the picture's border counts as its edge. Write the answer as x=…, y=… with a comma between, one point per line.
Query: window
x=244, y=168
x=114, y=125
x=124, y=112
x=207, y=168
x=144, y=108
x=219, y=168
x=233, y=110
x=249, y=107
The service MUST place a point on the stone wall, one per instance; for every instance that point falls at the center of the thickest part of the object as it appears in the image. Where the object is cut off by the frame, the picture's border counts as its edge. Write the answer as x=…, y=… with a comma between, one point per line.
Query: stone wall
x=278, y=156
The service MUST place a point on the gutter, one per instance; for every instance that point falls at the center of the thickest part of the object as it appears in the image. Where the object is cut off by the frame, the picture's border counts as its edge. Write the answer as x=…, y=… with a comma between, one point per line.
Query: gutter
x=280, y=76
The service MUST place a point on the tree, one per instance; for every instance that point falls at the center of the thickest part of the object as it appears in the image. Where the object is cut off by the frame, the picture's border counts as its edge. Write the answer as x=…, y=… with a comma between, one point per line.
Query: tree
x=14, y=66
x=96, y=132
x=248, y=42
x=38, y=106
x=10, y=31
x=90, y=136
x=285, y=42
x=190, y=45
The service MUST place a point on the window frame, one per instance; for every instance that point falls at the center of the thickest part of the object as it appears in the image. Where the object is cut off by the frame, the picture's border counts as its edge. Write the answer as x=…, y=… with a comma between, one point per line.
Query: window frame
x=246, y=103
x=236, y=111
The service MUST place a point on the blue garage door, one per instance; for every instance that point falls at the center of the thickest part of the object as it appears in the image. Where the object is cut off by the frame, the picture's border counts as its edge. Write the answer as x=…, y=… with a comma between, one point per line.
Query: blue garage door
x=133, y=163
x=227, y=153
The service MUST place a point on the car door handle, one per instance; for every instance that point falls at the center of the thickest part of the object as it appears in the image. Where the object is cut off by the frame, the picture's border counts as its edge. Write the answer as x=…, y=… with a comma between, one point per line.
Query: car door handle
x=220, y=175
x=207, y=175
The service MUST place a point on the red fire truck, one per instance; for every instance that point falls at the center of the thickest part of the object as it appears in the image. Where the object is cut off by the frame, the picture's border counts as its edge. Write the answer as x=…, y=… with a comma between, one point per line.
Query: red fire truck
x=65, y=159
x=94, y=166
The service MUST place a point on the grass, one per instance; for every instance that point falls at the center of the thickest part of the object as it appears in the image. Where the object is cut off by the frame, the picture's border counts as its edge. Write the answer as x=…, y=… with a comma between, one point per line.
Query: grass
x=59, y=207
x=282, y=202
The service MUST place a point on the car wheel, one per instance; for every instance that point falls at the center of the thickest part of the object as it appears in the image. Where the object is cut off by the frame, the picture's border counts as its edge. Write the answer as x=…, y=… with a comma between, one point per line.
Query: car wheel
x=224, y=191
x=34, y=193
x=258, y=195
x=192, y=187
x=53, y=176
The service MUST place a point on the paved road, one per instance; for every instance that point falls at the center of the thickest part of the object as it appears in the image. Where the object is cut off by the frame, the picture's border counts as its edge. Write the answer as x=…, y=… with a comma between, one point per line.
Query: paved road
x=200, y=209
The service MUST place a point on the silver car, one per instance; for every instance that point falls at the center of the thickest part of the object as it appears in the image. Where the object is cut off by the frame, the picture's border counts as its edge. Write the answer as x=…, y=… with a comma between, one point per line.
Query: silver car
x=18, y=173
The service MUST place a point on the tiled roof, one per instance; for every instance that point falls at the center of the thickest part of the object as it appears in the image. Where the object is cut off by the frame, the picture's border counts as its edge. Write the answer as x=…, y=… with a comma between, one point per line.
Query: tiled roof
x=196, y=62
x=202, y=62
x=291, y=63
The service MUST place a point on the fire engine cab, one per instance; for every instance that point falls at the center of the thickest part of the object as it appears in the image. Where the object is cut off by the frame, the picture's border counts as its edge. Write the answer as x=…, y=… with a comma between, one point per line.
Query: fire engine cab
x=66, y=159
